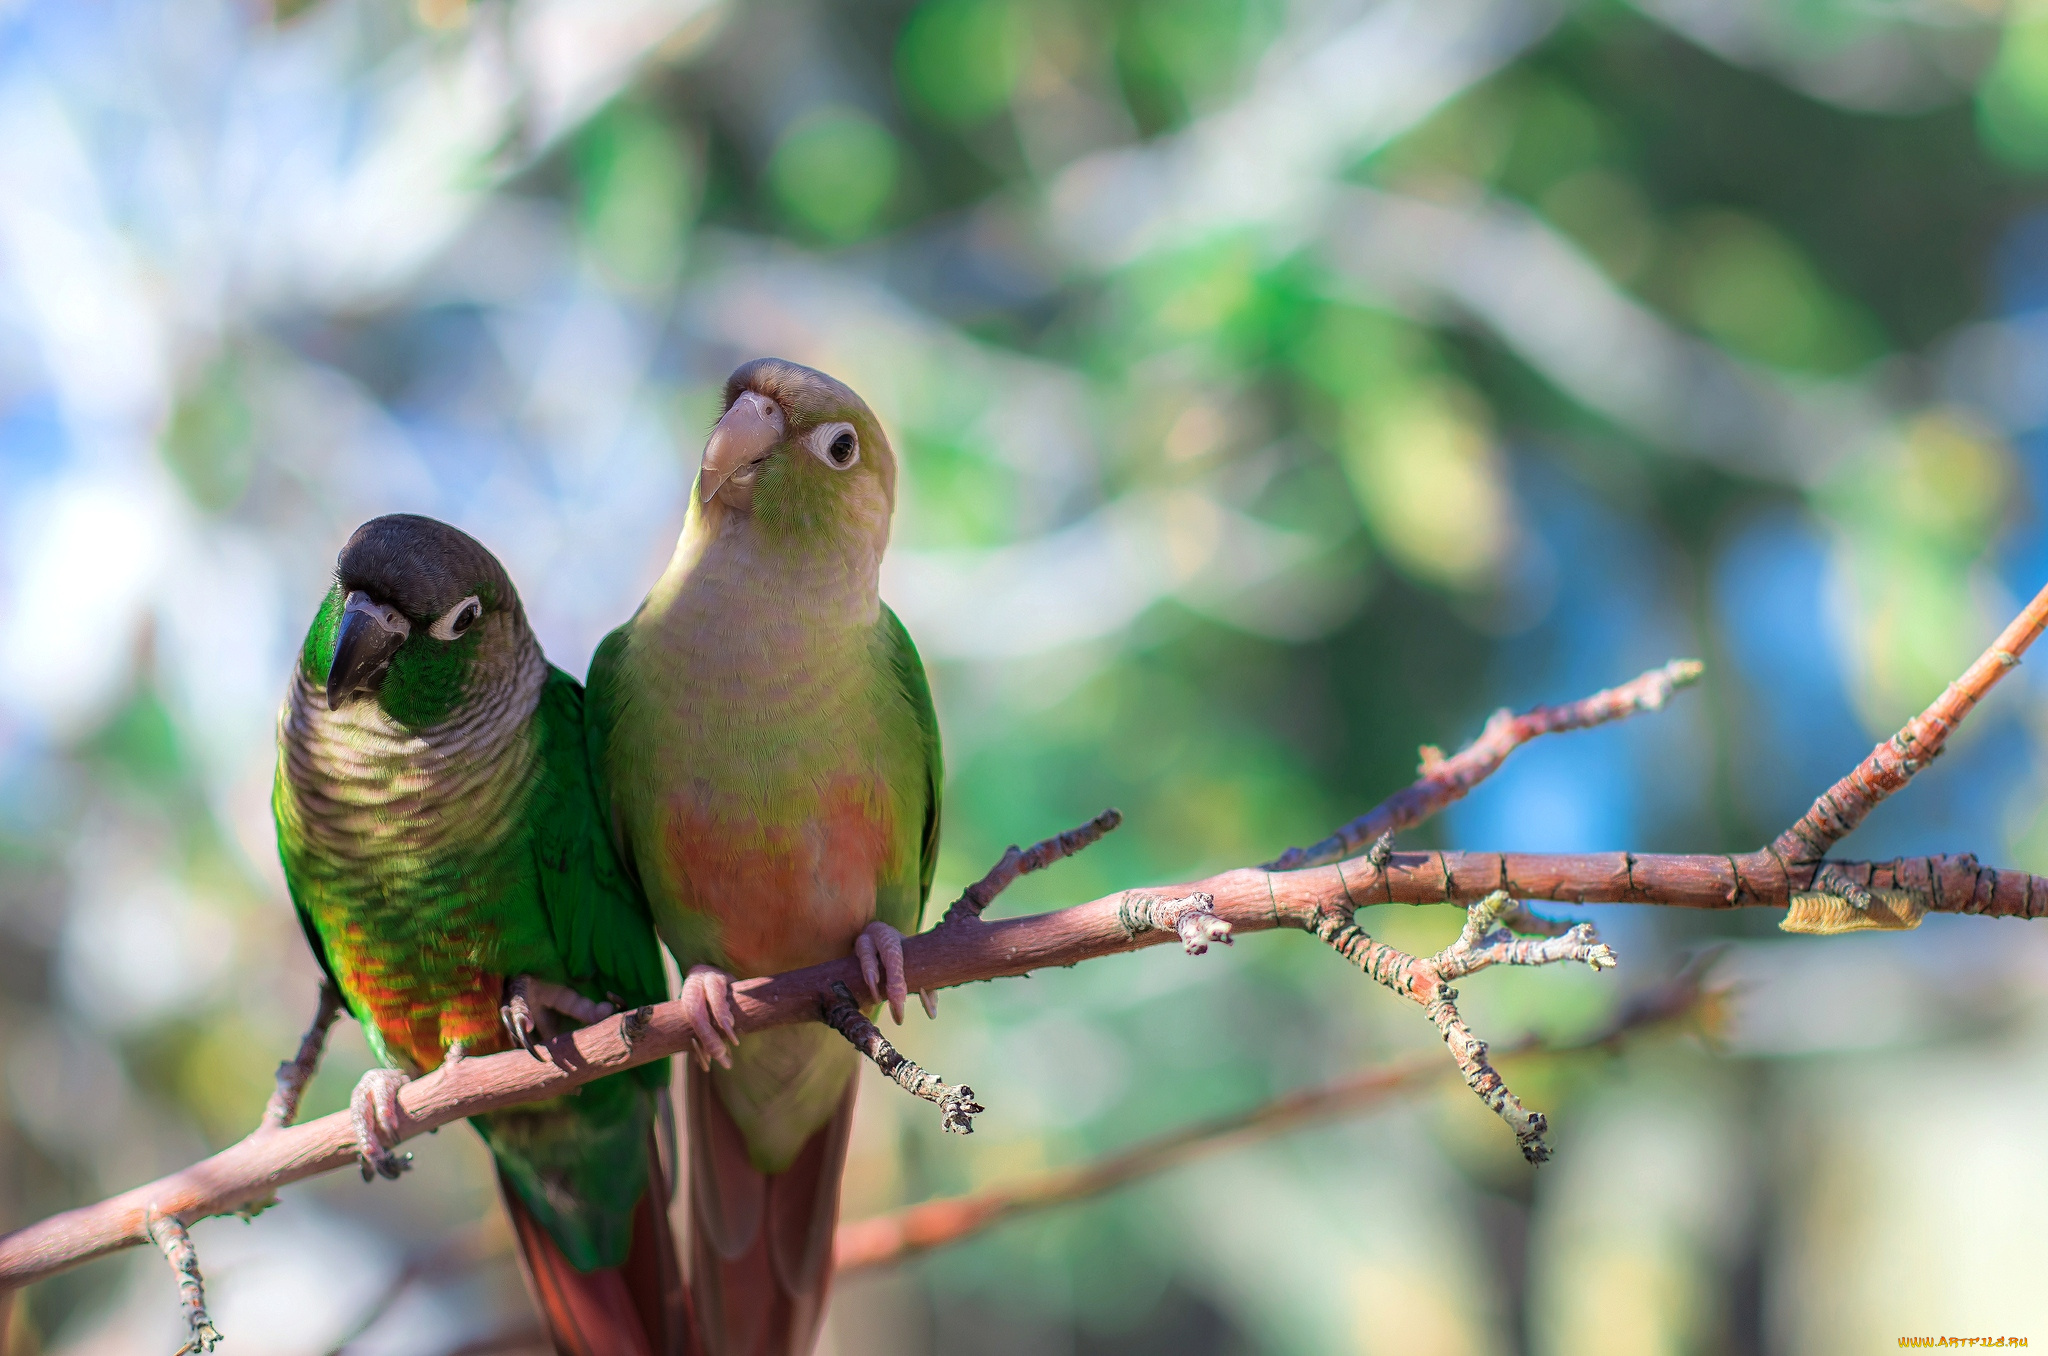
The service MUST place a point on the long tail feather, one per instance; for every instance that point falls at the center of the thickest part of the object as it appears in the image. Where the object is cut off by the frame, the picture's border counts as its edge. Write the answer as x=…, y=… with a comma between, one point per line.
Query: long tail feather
x=760, y=1245
x=639, y=1309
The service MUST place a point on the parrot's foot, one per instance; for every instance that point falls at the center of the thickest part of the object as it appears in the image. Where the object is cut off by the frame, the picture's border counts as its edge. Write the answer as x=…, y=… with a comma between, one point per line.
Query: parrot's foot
x=880, y=951
x=373, y=1112
x=529, y=1000
x=296, y=1072
x=707, y=1002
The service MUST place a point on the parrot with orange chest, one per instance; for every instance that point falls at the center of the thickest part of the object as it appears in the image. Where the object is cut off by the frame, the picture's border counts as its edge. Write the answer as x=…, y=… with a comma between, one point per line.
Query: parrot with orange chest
x=442, y=840
x=766, y=739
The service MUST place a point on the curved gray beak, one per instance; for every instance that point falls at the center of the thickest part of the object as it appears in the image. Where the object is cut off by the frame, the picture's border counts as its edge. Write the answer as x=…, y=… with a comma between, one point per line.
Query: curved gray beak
x=370, y=634
x=746, y=434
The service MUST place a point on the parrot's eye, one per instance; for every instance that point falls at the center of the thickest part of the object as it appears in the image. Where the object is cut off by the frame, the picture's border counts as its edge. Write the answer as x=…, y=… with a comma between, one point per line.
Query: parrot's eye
x=457, y=619
x=837, y=445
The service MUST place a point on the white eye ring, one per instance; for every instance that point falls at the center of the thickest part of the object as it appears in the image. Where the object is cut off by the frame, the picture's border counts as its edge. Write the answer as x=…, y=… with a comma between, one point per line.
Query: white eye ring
x=837, y=445
x=457, y=619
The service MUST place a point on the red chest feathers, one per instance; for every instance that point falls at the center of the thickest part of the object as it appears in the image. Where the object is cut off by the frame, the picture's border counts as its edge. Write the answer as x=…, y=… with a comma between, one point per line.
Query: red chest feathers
x=783, y=894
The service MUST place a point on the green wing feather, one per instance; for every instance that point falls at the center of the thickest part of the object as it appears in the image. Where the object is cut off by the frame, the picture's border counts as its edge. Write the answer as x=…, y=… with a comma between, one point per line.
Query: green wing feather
x=313, y=938
x=605, y=694
x=595, y=909
x=917, y=692
x=578, y=1162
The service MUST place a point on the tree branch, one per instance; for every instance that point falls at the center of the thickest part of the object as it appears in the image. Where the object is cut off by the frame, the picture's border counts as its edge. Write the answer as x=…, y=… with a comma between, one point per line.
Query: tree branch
x=1892, y=764
x=887, y=1239
x=1445, y=780
x=251, y=1171
x=966, y=948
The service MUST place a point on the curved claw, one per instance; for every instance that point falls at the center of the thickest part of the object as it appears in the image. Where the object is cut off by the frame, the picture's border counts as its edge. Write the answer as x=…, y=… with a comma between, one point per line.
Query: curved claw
x=707, y=1002
x=879, y=949
x=517, y=1015
x=373, y=1115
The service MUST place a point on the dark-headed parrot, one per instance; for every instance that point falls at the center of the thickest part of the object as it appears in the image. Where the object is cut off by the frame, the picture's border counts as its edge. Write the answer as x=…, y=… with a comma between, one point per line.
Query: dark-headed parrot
x=444, y=847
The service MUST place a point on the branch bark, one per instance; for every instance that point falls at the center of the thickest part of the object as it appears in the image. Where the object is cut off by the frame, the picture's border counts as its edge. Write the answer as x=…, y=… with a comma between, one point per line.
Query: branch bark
x=966, y=948
x=248, y=1174
x=1892, y=764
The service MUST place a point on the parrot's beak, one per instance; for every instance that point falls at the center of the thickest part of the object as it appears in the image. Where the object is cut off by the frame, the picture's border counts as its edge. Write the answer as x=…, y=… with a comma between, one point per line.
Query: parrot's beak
x=370, y=634
x=747, y=433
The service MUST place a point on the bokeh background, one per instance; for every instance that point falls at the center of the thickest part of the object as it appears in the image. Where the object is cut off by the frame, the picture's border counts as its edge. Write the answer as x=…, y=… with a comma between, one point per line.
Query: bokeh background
x=1280, y=385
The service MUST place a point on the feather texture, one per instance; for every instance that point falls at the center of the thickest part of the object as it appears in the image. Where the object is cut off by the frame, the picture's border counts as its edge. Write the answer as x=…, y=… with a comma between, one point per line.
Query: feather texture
x=770, y=763
x=431, y=862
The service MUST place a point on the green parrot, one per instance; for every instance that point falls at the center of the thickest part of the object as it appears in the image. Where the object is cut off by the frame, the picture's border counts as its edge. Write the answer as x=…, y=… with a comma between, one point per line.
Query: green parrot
x=448, y=859
x=767, y=742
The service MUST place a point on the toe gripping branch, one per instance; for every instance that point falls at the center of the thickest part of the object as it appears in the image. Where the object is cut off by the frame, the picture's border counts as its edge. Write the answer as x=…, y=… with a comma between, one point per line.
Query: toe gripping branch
x=1489, y=938
x=176, y=1245
x=956, y=1105
x=1191, y=918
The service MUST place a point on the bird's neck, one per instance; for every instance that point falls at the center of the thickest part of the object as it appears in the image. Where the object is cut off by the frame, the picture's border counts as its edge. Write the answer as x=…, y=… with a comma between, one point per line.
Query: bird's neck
x=367, y=780
x=727, y=567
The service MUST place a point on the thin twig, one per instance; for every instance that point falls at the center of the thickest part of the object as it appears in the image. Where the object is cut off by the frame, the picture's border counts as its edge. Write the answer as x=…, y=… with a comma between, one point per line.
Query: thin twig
x=1022, y=861
x=1426, y=982
x=1892, y=763
x=957, y=1107
x=176, y=1245
x=1445, y=780
x=295, y=1073
x=887, y=1239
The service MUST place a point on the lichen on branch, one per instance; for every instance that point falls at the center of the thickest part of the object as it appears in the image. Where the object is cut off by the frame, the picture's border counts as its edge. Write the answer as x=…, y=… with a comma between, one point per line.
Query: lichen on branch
x=957, y=1107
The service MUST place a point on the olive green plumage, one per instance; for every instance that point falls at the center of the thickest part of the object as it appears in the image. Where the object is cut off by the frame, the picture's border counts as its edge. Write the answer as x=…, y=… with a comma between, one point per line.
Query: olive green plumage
x=771, y=756
x=440, y=834
x=768, y=742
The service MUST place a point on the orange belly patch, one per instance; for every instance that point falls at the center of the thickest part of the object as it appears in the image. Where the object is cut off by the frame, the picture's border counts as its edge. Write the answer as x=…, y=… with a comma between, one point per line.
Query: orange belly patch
x=783, y=895
x=419, y=1021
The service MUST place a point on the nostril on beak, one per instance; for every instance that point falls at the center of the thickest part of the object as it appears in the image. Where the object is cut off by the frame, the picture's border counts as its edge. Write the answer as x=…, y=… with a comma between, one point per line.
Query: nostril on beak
x=747, y=432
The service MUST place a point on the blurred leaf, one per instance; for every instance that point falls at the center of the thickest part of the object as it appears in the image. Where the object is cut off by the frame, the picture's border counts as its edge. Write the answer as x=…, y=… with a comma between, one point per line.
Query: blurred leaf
x=1558, y=133
x=638, y=186
x=1191, y=294
x=2012, y=99
x=955, y=496
x=958, y=61
x=1429, y=480
x=1176, y=57
x=834, y=171
x=1916, y=514
x=209, y=443
x=1750, y=287
x=140, y=742
x=1606, y=213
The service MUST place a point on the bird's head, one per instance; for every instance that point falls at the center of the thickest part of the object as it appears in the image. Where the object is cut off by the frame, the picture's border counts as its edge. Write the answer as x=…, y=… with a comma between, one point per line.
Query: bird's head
x=420, y=616
x=797, y=452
